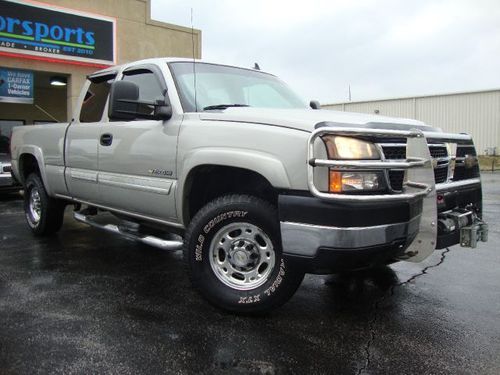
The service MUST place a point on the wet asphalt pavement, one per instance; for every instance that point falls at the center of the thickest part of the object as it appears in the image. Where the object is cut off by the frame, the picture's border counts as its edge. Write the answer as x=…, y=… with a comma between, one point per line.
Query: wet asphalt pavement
x=89, y=302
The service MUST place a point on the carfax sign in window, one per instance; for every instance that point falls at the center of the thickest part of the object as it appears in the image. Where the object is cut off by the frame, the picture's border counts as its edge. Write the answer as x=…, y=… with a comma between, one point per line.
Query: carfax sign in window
x=47, y=32
x=16, y=86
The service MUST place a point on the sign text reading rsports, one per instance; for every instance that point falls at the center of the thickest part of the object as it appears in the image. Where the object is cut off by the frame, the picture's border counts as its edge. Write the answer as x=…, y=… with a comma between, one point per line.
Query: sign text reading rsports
x=42, y=32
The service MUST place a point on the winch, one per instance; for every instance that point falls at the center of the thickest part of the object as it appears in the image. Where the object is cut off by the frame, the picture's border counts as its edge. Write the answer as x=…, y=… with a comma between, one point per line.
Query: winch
x=466, y=222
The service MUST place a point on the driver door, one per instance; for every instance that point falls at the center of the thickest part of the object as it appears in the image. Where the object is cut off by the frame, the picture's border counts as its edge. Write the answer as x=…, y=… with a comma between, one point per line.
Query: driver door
x=137, y=158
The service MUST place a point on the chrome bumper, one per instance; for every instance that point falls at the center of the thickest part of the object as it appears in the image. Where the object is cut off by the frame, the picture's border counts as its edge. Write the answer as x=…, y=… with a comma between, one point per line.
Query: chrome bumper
x=419, y=184
x=305, y=239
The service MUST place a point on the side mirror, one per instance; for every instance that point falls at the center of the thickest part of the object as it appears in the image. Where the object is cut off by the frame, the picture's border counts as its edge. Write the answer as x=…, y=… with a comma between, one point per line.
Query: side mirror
x=123, y=97
x=124, y=104
x=163, y=111
x=314, y=104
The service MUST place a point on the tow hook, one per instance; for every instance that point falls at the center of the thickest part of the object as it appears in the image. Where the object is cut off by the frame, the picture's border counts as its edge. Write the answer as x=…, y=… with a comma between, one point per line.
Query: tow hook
x=470, y=235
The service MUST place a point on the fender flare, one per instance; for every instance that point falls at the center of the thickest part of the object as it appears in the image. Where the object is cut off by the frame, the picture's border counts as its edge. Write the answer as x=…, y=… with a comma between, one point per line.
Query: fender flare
x=267, y=165
x=37, y=153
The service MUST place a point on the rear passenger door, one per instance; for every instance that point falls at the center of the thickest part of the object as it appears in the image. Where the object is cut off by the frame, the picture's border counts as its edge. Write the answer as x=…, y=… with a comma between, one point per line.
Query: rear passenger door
x=81, y=149
x=137, y=159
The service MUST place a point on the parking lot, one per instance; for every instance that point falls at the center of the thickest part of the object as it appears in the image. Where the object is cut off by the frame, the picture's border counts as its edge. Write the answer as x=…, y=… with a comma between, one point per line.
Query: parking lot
x=85, y=301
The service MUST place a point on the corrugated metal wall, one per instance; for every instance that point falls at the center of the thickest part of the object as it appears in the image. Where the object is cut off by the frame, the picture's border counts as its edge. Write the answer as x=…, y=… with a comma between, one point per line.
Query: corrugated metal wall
x=476, y=113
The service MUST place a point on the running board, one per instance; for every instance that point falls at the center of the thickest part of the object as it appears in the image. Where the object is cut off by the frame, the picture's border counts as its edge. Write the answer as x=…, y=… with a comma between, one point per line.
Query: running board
x=146, y=239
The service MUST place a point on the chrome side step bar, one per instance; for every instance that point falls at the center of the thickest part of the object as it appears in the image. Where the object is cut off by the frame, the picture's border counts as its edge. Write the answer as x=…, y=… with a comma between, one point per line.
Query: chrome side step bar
x=160, y=243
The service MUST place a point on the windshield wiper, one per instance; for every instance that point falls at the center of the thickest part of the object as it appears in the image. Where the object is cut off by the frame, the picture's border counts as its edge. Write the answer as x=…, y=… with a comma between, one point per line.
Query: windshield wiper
x=224, y=106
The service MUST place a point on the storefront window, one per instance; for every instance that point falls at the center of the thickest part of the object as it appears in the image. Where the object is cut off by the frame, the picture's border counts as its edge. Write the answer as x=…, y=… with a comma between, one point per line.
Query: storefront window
x=5, y=133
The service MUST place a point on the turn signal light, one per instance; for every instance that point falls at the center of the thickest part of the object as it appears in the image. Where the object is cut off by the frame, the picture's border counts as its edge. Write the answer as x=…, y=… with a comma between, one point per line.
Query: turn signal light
x=353, y=181
x=335, y=182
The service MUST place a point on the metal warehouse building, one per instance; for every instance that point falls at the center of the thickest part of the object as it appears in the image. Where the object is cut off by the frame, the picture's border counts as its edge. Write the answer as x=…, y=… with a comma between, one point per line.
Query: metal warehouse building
x=476, y=113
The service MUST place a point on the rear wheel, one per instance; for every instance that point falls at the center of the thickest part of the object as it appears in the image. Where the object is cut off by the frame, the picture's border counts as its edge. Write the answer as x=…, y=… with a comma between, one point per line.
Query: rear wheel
x=234, y=256
x=44, y=214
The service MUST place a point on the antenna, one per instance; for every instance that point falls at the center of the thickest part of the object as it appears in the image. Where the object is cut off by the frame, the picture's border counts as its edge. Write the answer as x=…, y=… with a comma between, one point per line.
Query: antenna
x=194, y=63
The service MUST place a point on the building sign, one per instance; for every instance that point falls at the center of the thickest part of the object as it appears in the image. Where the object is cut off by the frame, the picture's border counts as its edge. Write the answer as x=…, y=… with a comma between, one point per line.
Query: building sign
x=47, y=32
x=16, y=86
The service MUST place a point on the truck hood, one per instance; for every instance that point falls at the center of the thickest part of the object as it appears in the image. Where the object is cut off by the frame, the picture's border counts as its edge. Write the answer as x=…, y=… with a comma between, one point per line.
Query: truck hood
x=306, y=119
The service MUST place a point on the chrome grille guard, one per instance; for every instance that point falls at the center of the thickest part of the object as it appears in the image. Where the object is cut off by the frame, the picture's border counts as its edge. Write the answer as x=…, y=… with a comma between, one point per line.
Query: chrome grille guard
x=419, y=183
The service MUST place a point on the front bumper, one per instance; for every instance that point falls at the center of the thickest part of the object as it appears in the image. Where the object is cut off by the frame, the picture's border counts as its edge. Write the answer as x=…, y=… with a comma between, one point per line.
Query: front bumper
x=334, y=232
x=327, y=237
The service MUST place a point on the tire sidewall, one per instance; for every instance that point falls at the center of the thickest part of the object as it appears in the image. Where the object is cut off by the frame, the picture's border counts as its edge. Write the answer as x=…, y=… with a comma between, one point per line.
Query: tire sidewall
x=33, y=181
x=211, y=221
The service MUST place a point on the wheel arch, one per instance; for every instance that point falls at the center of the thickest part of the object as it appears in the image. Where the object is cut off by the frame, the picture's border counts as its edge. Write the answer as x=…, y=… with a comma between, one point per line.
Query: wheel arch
x=262, y=174
x=31, y=160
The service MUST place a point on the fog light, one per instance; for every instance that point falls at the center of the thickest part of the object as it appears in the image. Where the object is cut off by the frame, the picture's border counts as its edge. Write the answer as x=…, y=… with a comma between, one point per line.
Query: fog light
x=353, y=181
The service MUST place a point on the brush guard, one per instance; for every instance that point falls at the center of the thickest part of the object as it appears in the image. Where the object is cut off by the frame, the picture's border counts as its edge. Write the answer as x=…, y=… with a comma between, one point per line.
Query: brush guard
x=419, y=183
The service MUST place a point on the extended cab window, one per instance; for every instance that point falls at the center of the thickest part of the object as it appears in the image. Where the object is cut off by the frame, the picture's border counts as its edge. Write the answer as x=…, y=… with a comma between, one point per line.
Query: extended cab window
x=150, y=89
x=95, y=98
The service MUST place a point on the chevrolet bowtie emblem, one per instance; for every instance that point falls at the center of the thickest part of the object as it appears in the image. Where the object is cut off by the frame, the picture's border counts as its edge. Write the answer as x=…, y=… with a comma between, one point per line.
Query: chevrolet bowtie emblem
x=470, y=161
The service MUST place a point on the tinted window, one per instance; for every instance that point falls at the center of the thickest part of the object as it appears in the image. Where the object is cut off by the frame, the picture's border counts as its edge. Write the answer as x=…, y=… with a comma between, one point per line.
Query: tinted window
x=150, y=89
x=95, y=100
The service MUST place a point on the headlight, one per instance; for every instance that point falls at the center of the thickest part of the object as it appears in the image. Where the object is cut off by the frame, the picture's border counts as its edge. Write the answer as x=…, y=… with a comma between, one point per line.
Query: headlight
x=355, y=181
x=349, y=148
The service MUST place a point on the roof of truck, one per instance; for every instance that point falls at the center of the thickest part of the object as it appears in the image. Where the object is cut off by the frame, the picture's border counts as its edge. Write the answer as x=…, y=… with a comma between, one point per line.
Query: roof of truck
x=158, y=61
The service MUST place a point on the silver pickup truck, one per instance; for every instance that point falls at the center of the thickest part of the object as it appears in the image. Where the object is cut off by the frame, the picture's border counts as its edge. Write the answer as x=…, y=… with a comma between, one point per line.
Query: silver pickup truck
x=254, y=185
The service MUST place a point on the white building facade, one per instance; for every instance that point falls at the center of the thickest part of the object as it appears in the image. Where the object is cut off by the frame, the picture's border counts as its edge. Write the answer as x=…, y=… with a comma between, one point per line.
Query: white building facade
x=476, y=113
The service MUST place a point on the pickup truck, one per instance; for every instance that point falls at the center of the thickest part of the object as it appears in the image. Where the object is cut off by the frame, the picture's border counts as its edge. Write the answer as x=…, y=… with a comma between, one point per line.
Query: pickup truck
x=254, y=185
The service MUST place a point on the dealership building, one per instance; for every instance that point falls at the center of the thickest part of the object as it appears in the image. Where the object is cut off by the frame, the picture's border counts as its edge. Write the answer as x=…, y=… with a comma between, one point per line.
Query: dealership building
x=47, y=50
x=475, y=112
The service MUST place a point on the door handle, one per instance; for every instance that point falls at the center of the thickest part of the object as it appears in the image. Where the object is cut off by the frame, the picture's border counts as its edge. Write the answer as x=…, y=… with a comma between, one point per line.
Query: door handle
x=106, y=139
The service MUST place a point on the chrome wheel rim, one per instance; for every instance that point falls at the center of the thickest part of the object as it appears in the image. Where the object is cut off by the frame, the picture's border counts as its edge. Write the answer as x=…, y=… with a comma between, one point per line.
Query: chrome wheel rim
x=35, y=206
x=242, y=256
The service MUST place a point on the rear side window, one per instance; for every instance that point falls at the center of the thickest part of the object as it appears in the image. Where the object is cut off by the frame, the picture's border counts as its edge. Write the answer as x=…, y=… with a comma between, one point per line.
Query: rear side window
x=95, y=99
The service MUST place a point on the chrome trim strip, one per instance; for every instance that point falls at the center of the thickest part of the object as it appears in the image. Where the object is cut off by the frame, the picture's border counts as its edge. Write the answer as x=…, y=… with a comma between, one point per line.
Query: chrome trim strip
x=367, y=164
x=306, y=239
x=83, y=175
x=457, y=184
x=145, y=184
x=448, y=137
x=404, y=144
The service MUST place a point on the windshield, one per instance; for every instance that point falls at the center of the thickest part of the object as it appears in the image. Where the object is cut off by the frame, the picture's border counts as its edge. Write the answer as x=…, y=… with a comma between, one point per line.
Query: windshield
x=219, y=87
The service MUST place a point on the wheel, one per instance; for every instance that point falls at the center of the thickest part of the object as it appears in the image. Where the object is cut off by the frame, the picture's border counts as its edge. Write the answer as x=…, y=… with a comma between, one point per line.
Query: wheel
x=234, y=258
x=44, y=214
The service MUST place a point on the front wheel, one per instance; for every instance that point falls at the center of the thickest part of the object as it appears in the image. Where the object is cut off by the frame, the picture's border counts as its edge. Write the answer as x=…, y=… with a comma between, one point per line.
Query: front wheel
x=234, y=256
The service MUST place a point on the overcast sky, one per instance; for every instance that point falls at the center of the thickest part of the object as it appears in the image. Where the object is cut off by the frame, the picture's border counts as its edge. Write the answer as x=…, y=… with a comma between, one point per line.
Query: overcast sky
x=382, y=48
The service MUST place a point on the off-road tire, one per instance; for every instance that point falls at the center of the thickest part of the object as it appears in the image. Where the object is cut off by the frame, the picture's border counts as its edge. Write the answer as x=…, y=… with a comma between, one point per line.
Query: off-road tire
x=201, y=241
x=49, y=214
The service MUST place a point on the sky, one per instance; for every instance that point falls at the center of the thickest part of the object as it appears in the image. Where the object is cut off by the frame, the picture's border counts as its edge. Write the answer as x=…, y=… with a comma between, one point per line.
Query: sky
x=380, y=48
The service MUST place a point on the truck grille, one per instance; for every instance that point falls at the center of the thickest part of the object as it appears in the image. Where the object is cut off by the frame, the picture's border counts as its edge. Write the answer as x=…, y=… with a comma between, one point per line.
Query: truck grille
x=398, y=152
x=7, y=169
